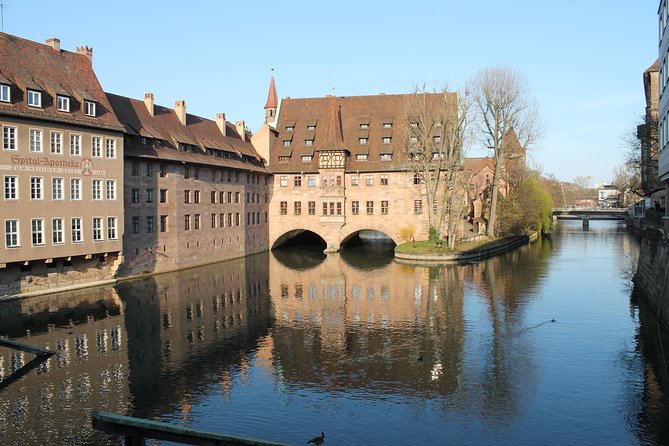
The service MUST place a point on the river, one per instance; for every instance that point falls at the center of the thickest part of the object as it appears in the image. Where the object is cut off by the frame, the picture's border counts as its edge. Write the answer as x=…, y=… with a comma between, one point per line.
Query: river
x=543, y=345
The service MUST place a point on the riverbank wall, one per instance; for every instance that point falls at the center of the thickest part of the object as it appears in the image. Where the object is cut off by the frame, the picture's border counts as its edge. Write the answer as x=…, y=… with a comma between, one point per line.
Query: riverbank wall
x=473, y=255
x=651, y=277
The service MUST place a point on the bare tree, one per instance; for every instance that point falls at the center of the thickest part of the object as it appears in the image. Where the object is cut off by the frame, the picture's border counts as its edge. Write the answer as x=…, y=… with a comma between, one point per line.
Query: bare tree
x=504, y=104
x=637, y=176
x=435, y=127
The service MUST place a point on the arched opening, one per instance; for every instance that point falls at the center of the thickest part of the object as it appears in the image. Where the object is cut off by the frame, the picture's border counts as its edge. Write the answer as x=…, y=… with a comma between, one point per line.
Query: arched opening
x=299, y=249
x=370, y=238
x=300, y=238
x=367, y=250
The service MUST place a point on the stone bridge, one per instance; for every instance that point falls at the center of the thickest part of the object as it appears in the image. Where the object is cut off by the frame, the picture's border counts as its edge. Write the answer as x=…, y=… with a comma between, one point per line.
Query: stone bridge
x=587, y=214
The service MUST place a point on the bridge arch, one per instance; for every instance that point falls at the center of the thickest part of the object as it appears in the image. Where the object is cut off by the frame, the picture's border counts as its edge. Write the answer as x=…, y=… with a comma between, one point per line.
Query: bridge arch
x=295, y=234
x=348, y=232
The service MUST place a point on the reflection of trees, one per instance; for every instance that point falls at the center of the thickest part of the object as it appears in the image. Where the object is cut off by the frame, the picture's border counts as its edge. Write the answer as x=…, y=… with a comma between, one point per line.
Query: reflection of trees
x=186, y=330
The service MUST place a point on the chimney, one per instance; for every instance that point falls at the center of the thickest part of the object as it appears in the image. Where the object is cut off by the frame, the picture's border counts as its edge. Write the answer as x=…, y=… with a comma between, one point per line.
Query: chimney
x=221, y=123
x=86, y=51
x=54, y=43
x=148, y=101
x=180, y=110
x=241, y=129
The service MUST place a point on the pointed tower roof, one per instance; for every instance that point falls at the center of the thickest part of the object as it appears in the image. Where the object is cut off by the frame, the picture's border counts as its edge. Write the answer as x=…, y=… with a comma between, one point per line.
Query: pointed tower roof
x=333, y=139
x=272, y=101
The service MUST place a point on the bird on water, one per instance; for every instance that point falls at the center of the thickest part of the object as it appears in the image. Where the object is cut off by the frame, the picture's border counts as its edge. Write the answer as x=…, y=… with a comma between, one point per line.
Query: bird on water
x=318, y=440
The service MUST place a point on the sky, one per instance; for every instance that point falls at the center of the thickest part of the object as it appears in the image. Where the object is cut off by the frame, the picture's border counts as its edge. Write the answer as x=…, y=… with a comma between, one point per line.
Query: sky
x=583, y=59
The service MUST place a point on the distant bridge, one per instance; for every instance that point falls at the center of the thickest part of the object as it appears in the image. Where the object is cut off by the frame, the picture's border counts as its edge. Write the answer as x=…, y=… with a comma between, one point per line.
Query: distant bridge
x=587, y=214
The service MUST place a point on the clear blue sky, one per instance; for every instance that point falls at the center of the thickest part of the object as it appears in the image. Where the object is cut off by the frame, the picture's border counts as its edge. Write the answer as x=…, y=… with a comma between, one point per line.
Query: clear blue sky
x=583, y=59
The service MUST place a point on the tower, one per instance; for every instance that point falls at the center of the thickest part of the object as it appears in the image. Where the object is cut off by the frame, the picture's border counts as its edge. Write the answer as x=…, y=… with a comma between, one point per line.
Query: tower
x=272, y=104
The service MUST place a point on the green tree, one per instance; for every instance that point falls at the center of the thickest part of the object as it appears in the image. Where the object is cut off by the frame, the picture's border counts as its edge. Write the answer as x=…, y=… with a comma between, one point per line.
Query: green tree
x=527, y=208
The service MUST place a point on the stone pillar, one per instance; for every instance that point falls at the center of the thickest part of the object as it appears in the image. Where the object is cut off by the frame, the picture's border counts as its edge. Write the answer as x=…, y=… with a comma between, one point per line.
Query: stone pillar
x=332, y=248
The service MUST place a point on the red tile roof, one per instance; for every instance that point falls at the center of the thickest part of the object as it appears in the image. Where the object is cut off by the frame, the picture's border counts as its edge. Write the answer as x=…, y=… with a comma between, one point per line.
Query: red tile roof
x=26, y=64
x=272, y=101
x=165, y=126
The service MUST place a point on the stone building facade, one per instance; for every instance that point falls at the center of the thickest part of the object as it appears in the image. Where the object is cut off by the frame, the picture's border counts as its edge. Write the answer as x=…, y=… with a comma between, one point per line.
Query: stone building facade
x=196, y=191
x=62, y=169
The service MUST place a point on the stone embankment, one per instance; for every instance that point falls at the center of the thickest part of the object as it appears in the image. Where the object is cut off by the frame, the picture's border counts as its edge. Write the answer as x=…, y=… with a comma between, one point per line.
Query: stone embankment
x=473, y=255
x=652, y=271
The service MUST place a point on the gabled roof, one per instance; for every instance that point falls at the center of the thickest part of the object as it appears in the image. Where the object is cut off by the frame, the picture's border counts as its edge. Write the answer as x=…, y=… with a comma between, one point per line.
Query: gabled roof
x=333, y=139
x=475, y=165
x=25, y=64
x=165, y=126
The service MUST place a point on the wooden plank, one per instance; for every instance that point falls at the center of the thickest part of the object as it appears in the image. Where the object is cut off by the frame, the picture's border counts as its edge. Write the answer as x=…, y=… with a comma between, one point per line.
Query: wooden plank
x=136, y=430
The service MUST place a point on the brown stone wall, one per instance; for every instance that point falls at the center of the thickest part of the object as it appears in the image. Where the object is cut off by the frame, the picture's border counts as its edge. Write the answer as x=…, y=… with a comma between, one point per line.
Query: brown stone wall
x=651, y=275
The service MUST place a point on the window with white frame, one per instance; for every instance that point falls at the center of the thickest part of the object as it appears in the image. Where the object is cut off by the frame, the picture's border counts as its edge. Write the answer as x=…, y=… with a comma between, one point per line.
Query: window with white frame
x=57, y=143
x=8, y=138
x=386, y=140
x=308, y=142
x=386, y=157
x=97, y=229
x=283, y=181
x=5, y=95
x=97, y=189
x=384, y=179
x=56, y=188
x=35, y=140
x=12, y=233
x=89, y=108
x=111, y=189
x=111, y=148
x=286, y=142
x=11, y=187
x=96, y=147
x=57, y=236
x=62, y=103
x=37, y=225
x=77, y=230
x=362, y=141
x=306, y=158
x=36, y=187
x=75, y=144
x=311, y=181
x=34, y=98
x=369, y=180
x=361, y=157
x=355, y=180
x=112, y=233
x=75, y=188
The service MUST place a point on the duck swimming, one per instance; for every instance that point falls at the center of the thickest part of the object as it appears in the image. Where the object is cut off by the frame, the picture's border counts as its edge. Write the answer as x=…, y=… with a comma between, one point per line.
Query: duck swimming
x=317, y=440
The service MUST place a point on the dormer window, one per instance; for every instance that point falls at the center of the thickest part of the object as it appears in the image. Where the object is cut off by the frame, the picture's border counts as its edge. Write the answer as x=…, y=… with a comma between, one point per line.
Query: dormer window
x=286, y=142
x=361, y=157
x=386, y=140
x=5, y=93
x=34, y=98
x=387, y=125
x=364, y=126
x=63, y=103
x=386, y=157
x=311, y=128
x=308, y=142
x=89, y=108
x=290, y=128
x=414, y=125
x=362, y=141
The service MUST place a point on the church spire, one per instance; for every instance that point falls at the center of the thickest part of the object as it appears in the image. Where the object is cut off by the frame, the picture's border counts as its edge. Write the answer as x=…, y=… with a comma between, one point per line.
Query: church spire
x=272, y=102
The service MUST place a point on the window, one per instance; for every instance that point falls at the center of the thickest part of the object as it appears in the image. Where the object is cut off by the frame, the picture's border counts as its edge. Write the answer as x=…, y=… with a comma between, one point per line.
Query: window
x=97, y=229
x=149, y=224
x=11, y=188
x=212, y=197
x=290, y=128
x=237, y=219
x=332, y=208
x=110, y=145
x=57, y=228
x=386, y=140
x=437, y=139
x=339, y=208
x=75, y=144
x=35, y=140
x=364, y=125
x=97, y=189
x=237, y=195
x=36, y=185
x=286, y=142
x=75, y=189
x=34, y=98
x=163, y=223
x=11, y=233
x=413, y=139
x=111, y=189
x=149, y=195
x=284, y=207
x=325, y=209
x=384, y=207
x=283, y=181
x=361, y=157
x=149, y=169
x=369, y=180
x=229, y=197
x=57, y=143
x=77, y=230
x=37, y=231
x=196, y=173
x=135, y=225
x=384, y=180
x=134, y=168
x=186, y=196
x=111, y=228
x=311, y=181
x=9, y=138
x=221, y=220
x=297, y=181
x=213, y=221
x=308, y=142
x=418, y=207
x=284, y=159
x=417, y=179
x=362, y=141
x=312, y=208
x=96, y=147
x=370, y=207
x=298, y=207
x=163, y=195
x=306, y=158
x=62, y=103
x=56, y=188
x=387, y=125
x=229, y=219
x=5, y=93
x=196, y=196
x=196, y=221
x=163, y=171
x=89, y=108
x=134, y=196
x=221, y=196
x=386, y=157
x=355, y=207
